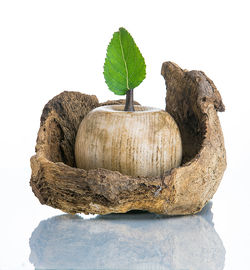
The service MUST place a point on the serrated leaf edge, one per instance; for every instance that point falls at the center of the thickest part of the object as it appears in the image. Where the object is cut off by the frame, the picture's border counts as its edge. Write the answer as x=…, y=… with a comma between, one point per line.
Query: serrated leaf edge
x=123, y=92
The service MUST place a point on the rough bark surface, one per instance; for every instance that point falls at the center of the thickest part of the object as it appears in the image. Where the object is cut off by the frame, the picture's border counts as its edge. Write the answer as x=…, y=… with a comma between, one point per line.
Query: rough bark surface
x=192, y=99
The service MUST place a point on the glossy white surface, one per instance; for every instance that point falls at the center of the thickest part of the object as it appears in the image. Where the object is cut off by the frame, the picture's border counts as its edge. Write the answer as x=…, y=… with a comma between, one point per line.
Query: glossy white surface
x=50, y=46
x=127, y=241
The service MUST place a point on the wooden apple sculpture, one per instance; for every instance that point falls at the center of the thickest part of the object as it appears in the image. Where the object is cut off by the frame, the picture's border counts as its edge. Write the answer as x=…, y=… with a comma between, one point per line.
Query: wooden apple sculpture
x=132, y=139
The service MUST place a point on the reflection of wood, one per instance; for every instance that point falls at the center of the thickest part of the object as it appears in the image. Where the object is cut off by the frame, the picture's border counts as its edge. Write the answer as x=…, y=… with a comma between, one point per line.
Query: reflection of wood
x=130, y=241
x=193, y=101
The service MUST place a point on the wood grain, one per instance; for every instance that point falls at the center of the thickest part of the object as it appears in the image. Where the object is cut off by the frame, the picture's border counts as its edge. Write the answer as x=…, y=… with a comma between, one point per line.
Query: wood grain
x=145, y=142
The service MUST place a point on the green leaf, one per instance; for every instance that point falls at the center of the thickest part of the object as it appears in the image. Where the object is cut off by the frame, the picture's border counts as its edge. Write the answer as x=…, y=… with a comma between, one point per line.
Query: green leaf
x=124, y=66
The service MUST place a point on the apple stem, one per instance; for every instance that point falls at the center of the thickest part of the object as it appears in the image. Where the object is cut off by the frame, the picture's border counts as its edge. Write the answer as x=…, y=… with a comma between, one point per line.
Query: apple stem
x=129, y=106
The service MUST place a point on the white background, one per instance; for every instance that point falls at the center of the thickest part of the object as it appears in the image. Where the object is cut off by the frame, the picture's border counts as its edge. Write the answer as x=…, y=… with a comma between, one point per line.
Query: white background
x=50, y=46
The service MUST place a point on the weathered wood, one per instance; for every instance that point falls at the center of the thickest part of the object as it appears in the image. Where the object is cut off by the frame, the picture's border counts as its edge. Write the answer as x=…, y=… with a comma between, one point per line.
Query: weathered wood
x=192, y=100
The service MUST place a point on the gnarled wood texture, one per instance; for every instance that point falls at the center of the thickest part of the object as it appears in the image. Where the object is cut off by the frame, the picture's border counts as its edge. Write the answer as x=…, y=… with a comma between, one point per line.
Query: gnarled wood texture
x=192, y=100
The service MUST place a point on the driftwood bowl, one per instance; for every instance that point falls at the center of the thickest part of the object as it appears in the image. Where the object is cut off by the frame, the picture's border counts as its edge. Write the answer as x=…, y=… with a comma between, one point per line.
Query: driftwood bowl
x=192, y=100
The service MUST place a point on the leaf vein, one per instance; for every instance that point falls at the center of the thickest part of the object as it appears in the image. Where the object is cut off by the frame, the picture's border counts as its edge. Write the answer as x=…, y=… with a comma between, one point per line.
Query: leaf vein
x=126, y=68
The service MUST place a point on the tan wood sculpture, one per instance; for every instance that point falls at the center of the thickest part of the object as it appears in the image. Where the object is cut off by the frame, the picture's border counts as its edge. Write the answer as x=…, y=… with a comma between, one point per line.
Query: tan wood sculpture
x=192, y=100
x=146, y=142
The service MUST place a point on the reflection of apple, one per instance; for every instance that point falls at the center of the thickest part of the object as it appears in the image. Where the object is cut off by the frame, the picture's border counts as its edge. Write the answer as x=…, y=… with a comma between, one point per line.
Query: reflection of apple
x=145, y=142
x=128, y=241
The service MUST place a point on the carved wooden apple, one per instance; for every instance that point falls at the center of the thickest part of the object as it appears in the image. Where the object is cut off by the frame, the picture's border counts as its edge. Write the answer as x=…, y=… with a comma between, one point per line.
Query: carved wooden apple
x=145, y=142
x=134, y=140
